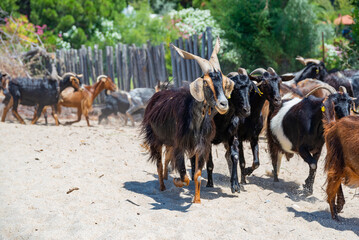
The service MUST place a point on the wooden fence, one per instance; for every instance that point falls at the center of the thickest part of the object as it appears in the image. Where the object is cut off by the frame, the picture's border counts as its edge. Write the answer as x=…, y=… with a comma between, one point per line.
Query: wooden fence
x=132, y=67
x=129, y=66
x=189, y=70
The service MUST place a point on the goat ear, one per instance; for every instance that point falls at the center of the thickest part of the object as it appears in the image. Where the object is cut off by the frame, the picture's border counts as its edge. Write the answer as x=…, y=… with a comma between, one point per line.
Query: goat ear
x=196, y=89
x=228, y=86
x=287, y=77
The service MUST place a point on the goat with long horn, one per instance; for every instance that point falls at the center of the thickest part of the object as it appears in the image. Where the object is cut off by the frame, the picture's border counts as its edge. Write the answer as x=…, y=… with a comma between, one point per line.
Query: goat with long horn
x=181, y=119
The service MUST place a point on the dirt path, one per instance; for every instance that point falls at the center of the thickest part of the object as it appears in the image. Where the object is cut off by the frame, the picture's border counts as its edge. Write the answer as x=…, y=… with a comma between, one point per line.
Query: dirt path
x=118, y=193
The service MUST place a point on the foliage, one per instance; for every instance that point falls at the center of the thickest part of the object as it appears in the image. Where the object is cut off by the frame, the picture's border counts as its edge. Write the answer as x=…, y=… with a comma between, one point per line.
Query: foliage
x=9, y=5
x=192, y=21
x=22, y=29
x=77, y=18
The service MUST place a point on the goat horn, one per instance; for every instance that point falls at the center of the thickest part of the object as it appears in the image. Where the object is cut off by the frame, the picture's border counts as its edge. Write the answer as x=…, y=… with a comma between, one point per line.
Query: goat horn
x=301, y=60
x=260, y=70
x=353, y=109
x=232, y=74
x=203, y=63
x=79, y=75
x=305, y=61
x=242, y=71
x=271, y=71
x=214, y=59
x=327, y=87
x=343, y=89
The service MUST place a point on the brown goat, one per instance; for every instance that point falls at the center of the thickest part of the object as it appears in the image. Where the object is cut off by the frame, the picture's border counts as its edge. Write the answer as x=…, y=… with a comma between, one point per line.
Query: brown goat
x=83, y=100
x=342, y=160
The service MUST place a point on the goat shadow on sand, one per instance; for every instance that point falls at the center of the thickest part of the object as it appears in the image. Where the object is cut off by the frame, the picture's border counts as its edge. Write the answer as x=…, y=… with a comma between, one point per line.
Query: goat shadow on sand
x=324, y=219
x=173, y=198
x=293, y=190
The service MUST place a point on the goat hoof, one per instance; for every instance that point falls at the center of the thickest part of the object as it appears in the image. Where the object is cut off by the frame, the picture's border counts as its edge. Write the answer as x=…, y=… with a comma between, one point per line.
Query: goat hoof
x=162, y=188
x=209, y=184
x=243, y=181
x=335, y=217
x=235, y=188
x=307, y=190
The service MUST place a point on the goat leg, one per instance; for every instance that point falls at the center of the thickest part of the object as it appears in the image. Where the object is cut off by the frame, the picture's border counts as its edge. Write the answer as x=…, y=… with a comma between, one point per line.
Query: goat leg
x=210, y=166
x=242, y=163
x=6, y=109
x=54, y=115
x=333, y=189
x=276, y=162
x=79, y=114
x=340, y=199
x=197, y=179
x=312, y=162
x=181, y=168
x=233, y=148
x=168, y=157
x=15, y=113
x=38, y=114
x=193, y=166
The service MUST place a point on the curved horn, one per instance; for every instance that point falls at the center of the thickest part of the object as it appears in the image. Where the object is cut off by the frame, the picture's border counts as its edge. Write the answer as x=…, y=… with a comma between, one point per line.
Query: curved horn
x=242, y=71
x=214, y=59
x=354, y=107
x=305, y=61
x=271, y=71
x=203, y=63
x=301, y=60
x=232, y=74
x=343, y=89
x=260, y=70
x=327, y=87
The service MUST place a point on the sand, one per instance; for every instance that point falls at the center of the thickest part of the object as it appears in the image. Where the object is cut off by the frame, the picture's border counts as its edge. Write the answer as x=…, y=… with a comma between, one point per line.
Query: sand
x=118, y=195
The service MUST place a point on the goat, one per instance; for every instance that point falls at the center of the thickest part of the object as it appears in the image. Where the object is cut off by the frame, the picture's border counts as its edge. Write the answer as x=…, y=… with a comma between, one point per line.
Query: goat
x=316, y=69
x=296, y=127
x=226, y=125
x=342, y=160
x=83, y=100
x=182, y=120
x=126, y=103
x=116, y=102
x=40, y=93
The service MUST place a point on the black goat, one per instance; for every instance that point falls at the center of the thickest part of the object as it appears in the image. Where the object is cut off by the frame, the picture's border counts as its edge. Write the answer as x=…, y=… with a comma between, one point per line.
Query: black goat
x=297, y=127
x=39, y=93
x=117, y=102
x=316, y=69
x=181, y=120
x=126, y=103
x=226, y=125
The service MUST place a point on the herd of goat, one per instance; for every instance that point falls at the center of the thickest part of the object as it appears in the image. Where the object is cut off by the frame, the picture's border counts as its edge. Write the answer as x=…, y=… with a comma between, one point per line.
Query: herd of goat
x=300, y=112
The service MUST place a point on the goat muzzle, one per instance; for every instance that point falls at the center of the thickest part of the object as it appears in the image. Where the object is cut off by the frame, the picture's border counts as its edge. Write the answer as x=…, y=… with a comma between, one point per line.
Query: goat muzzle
x=222, y=107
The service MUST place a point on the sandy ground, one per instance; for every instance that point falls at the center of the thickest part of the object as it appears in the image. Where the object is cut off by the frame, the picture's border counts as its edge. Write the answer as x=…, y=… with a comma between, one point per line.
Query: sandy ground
x=118, y=193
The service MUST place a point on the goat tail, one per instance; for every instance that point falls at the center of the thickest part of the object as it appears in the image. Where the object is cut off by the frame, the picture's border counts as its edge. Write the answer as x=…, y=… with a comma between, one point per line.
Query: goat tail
x=334, y=161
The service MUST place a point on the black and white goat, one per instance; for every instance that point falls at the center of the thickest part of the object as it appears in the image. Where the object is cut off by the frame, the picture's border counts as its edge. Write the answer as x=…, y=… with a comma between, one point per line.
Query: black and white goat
x=182, y=120
x=297, y=127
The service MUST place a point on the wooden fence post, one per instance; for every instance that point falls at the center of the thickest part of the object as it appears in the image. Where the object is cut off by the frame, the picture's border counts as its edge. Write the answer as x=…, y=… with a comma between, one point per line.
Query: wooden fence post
x=183, y=65
x=195, y=52
x=150, y=65
x=188, y=62
x=203, y=49
x=209, y=41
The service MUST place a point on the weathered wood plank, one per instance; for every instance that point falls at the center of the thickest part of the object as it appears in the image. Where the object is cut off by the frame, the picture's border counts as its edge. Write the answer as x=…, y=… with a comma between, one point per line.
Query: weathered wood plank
x=204, y=43
x=188, y=62
x=209, y=41
x=183, y=64
x=150, y=65
x=196, y=52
